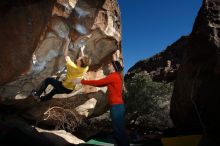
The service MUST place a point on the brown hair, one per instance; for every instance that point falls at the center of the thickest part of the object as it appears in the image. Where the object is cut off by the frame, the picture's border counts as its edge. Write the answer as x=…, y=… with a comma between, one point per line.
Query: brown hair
x=85, y=61
x=117, y=66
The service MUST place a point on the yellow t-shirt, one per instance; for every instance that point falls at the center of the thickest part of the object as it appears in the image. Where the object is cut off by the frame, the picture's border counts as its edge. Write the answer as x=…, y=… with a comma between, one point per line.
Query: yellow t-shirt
x=73, y=71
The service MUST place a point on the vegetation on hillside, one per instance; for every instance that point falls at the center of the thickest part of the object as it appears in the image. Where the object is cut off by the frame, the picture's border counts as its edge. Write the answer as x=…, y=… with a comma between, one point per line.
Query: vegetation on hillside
x=148, y=101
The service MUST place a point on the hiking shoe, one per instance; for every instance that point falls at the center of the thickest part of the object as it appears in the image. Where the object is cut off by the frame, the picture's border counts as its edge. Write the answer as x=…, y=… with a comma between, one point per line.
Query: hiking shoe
x=34, y=93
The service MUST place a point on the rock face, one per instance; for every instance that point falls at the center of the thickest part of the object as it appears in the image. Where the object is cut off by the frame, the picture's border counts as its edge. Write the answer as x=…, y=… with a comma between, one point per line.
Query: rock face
x=164, y=65
x=32, y=37
x=197, y=83
x=21, y=26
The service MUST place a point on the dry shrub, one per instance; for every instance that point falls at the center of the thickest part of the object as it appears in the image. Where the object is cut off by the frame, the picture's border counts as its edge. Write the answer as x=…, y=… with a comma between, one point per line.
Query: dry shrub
x=64, y=115
x=64, y=118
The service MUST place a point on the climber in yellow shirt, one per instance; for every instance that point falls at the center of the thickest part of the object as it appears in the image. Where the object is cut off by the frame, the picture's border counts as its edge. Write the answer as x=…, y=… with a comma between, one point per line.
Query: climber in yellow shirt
x=74, y=70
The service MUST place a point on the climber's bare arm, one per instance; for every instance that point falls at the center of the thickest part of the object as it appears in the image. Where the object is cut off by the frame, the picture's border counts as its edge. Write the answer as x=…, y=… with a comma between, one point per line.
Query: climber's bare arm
x=82, y=50
x=67, y=58
x=66, y=43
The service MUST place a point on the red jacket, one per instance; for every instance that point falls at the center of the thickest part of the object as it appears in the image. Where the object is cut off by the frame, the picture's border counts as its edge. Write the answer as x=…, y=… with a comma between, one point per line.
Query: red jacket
x=114, y=83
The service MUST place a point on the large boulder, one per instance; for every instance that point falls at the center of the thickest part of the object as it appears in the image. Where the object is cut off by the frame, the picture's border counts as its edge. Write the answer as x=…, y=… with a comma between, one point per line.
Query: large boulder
x=31, y=50
x=195, y=100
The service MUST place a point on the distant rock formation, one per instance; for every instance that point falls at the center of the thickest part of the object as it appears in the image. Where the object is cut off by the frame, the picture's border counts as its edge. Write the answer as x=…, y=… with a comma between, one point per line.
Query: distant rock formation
x=31, y=37
x=164, y=65
x=196, y=96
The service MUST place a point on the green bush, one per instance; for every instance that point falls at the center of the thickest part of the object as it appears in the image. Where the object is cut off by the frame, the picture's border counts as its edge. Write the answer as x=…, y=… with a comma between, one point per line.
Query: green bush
x=147, y=102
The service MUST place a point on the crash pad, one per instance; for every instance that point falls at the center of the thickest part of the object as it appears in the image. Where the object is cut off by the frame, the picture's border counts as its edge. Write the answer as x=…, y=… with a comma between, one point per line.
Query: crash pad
x=99, y=142
x=189, y=140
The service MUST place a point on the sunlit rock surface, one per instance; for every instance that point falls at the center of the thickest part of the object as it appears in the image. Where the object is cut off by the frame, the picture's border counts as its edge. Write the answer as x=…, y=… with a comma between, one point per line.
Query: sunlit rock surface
x=31, y=48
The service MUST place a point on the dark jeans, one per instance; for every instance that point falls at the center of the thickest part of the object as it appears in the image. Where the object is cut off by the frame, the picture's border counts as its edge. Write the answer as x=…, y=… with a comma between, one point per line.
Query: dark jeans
x=117, y=115
x=58, y=88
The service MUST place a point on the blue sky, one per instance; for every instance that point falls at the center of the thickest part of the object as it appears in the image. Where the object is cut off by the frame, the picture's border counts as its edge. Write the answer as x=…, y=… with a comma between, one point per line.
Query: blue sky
x=149, y=26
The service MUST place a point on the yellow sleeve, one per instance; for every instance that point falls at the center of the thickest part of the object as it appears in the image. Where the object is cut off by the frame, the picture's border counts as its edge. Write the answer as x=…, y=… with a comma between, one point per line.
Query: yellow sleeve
x=69, y=62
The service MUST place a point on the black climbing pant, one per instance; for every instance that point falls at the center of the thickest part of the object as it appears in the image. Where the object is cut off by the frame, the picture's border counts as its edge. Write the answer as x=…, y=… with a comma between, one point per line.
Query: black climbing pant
x=58, y=88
